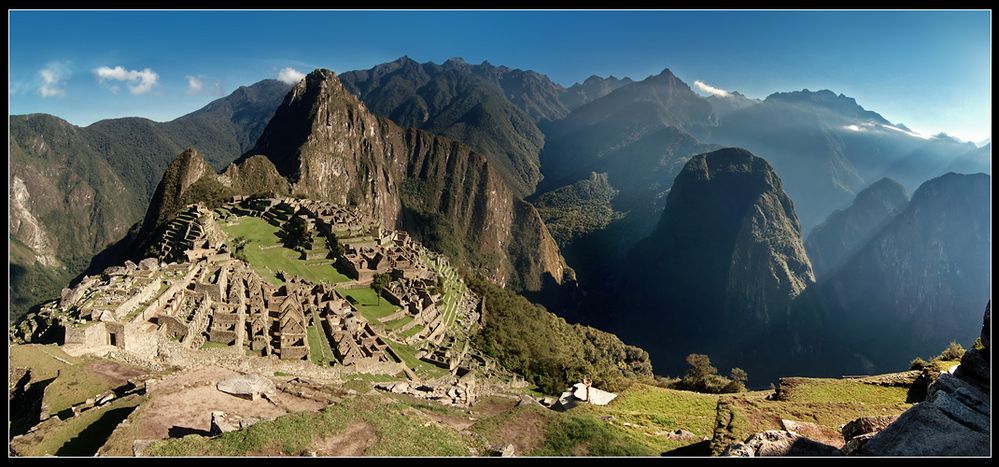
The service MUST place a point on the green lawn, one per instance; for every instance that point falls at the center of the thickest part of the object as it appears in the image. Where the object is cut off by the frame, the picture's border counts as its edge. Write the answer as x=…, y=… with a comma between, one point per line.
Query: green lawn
x=213, y=345
x=408, y=355
x=368, y=304
x=413, y=331
x=319, y=349
x=398, y=323
x=259, y=233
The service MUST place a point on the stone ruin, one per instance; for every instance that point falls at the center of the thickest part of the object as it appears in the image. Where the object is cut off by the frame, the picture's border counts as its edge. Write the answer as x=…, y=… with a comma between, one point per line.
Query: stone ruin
x=196, y=294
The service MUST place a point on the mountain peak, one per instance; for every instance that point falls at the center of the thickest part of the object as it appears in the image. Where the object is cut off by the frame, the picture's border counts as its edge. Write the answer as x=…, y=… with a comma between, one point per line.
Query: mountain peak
x=841, y=103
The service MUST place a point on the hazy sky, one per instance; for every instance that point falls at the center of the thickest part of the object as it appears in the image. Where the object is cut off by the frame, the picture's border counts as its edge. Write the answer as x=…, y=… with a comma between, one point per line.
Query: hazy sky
x=929, y=70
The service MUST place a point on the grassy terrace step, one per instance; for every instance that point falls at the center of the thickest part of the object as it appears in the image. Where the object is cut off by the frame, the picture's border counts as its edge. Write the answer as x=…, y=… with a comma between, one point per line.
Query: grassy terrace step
x=398, y=431
x=73, y=382
x=261, y=234
x=368, y=303
x=319, y=348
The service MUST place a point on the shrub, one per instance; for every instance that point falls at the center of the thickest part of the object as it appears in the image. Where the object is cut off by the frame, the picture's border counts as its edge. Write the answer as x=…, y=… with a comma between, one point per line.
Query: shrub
x=953, y=352
x=918, y=364
x=703, y=377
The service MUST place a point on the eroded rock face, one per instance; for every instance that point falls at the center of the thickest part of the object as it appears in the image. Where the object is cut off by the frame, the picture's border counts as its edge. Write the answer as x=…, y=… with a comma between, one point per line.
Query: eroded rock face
x=953, y=421
x=779, y=443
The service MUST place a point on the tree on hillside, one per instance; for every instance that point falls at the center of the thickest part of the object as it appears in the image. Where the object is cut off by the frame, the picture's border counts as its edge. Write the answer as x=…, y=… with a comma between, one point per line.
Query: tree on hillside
x=700, y=367
x=739, y=378
x=701, y=376
x=297, y=234
x=953, y=352
x=239, y=244
x=378, y=282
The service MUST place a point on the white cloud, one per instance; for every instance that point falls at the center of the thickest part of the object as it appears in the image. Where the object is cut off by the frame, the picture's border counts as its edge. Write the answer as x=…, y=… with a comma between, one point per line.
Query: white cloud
x=290, y=75
x=910, y=133
x=853, y=128
x=194, y=85
x=199, y=85
x=710, y=89
x=54, y=77
x=139, y=82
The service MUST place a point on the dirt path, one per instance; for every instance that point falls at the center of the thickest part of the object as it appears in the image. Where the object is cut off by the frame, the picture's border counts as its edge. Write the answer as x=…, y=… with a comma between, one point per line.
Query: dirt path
x=115, y=372
x=352, y=442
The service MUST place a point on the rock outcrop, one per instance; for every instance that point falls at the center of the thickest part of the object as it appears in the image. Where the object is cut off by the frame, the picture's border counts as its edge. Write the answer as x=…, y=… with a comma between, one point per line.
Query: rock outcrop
x=779, y=443
x=954, y=420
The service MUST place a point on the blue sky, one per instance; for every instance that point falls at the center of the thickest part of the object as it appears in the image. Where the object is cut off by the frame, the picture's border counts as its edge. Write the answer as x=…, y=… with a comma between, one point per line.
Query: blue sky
x=929, y=70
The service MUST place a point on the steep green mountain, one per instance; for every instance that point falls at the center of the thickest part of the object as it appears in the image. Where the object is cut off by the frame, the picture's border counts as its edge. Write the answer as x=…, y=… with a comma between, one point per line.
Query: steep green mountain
x=530, y=91
x=328, y=146
x=591, y=89
x=578, y=209
x=920, y=282
x=720, y=271
x=76, y=190
x=835, y=241
x=473, y=104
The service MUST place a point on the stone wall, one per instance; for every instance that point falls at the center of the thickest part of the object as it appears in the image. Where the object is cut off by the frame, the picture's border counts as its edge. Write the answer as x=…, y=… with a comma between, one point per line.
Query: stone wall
x=86, y=336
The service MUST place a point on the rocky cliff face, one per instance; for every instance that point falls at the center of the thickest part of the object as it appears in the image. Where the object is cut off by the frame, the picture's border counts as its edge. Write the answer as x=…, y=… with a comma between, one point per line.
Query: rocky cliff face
x=326, y=143
x=845, y=231
x=921, y=280
x=719, y=272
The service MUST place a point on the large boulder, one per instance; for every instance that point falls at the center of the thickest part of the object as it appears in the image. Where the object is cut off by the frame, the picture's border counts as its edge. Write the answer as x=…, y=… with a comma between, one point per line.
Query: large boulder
x=865, y=425
x=779, y=443
x=247, y=386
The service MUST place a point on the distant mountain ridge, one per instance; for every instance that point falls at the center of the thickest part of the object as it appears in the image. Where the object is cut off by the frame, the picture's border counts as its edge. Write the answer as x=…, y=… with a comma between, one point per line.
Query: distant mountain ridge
x=836, y=240
x=921, y=281
x=492, y=109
